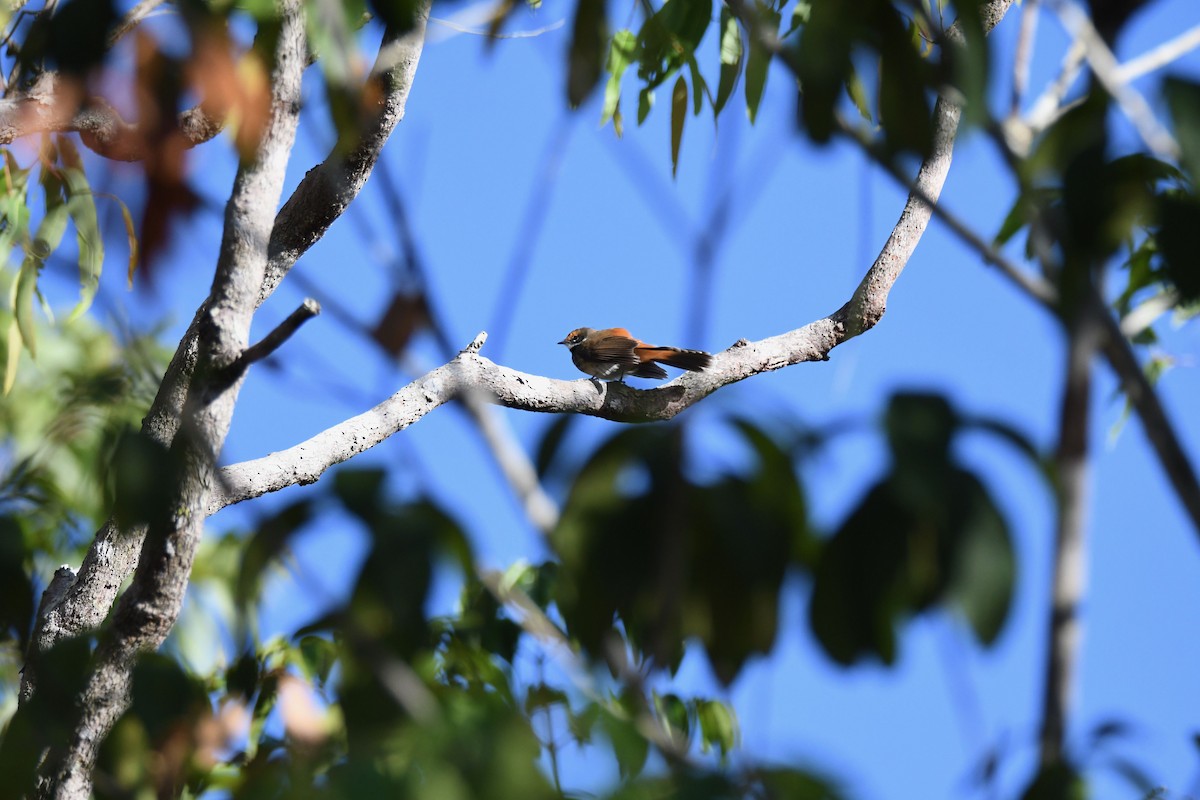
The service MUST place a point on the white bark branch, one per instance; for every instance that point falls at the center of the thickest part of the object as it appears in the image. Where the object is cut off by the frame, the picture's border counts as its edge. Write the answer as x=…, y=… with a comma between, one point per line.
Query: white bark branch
x=148, y=610
x=1160, y=56
x=471, y=373
x=1106, y=69
x=319, y=199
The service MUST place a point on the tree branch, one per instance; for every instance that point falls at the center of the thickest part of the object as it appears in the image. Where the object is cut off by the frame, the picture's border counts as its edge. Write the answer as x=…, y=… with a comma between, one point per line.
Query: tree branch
x=1106, y=69
x=869, y=302
x=1069, y=563
x=132, y=19
x=322, y=195
x=470, y=373
x=278, y=335
x=1116, y=347
x=149, y=608
x=1159, y=429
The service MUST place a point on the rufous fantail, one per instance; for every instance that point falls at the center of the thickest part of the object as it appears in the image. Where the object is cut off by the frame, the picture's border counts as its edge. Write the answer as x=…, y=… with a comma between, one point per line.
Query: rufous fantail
x=613, y=353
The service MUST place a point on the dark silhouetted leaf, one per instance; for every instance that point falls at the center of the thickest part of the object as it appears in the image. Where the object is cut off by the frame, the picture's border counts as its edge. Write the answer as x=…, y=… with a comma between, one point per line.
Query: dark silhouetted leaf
x=1178, y=238
x=16, y=590
x=759, y=61
x=984, y=569
x=1057, y=782
x=670, y=37
x=551, y=442
x=927, y=534
x=679, y=99
x=142, y=476
x=670, y=558
x=242, y=676
x=791, y=784
x=270, y=539
x=586, y=57
x=47, y=719
x=732, y=54
x=628, y=744
x=361, y=492
x=645, y=103
x=1183, y=99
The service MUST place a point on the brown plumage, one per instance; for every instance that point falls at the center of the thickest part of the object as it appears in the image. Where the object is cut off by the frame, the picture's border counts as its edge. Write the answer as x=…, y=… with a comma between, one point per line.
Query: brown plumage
x=613, y=353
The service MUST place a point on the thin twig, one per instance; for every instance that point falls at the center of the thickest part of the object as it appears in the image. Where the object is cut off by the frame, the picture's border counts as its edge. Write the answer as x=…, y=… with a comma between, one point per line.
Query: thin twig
x=1023, y=55
x=1159, y=429
x=131, y=20
x=530, y=34
x=280, y=334
x=1160, y=56
x=1144, y=315
x=1071, y=459
x=1106, y=69
x=1048, y=106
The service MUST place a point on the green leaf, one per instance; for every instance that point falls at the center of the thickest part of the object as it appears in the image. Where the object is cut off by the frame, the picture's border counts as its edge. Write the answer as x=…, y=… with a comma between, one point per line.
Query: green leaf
x=621, y=53
x=699, y=87
x=984, y=568
x=15, y=214
x=131, y=237
x=801, y=13
x=317, y=657
x=45, y=241
x=679, y=99
x=270, y=539
x=645, y=103
x=14, y=206
x=718, y=726
x=585, y=58
x=672, y=712
x=12, y=353
x=858, y=95
x=81, y=206
x=542, y=695
x=759, y=60
x=670, y=37
x=732, y=54
x=629, y=746
x=824, y=64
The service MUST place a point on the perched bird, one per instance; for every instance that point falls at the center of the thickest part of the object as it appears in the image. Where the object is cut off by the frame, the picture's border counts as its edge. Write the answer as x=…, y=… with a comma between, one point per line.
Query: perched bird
x=613, y=353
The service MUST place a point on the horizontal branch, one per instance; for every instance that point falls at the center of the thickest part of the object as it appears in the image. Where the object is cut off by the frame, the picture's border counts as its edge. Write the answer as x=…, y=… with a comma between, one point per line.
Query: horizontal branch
x=472, y=373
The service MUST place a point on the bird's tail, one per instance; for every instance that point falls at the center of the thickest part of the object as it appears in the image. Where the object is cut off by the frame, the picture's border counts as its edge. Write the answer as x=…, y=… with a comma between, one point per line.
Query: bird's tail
x=692, y=360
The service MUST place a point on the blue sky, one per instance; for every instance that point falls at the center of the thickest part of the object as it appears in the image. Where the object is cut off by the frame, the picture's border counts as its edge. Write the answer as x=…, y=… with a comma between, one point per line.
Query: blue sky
x=487, y=156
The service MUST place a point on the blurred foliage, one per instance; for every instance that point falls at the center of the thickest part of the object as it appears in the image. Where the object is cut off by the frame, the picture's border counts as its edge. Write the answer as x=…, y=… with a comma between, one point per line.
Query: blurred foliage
x=383, y=695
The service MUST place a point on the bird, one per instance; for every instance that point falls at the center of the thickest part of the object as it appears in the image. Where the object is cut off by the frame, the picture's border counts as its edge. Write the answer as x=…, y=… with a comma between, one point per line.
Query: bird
x=613, y=353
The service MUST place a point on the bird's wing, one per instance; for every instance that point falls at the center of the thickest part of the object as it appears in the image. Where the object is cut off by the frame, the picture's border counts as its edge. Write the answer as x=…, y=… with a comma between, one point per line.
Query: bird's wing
x=616, y=350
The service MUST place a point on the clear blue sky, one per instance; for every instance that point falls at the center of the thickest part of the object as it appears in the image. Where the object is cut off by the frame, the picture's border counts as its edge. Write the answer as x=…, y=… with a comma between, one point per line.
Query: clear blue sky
x=486, y=148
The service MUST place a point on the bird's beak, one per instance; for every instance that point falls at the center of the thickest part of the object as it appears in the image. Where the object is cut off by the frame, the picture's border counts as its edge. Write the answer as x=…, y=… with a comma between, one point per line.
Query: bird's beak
x=564, y=341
